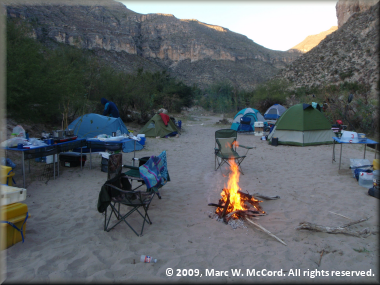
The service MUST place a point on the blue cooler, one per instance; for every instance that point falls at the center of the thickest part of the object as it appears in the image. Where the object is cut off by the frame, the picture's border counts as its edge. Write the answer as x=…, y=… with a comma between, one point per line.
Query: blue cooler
x=142, y=139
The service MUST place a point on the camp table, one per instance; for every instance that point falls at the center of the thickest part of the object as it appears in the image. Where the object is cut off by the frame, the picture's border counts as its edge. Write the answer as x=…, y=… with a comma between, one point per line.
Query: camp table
x=112, y=145
x=40, y=151
x=367, y=141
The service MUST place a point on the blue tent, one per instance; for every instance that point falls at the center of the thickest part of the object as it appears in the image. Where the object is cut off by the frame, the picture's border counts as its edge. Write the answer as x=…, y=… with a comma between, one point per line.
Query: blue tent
x=251, y=113
x=91, y=125
x=274, y=112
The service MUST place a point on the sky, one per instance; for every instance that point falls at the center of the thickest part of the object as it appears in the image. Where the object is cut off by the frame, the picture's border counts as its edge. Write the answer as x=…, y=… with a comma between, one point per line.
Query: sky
x=277, y=25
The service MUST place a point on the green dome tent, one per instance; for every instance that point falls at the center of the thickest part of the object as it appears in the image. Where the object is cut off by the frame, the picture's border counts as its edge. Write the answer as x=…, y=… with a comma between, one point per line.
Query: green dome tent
x=302, y=125
x=155, y=127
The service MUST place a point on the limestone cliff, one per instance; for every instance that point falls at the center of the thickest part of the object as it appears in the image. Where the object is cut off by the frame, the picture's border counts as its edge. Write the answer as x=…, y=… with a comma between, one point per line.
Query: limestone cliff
x=346, y=8
x=195, y=52
x=313, y=40
x=349, y=54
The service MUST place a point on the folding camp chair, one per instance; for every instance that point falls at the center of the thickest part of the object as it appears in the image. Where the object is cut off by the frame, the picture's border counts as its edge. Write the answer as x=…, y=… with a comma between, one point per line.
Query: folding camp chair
x=225, y=148
x=117, y=193
x=245, y=125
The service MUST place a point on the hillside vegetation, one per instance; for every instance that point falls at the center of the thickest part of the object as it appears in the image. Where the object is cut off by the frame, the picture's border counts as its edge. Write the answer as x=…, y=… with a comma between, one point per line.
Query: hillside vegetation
x=58, y=84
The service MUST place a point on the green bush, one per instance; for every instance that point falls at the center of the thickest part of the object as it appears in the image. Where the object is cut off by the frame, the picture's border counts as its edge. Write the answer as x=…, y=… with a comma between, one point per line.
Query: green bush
x=61, y=83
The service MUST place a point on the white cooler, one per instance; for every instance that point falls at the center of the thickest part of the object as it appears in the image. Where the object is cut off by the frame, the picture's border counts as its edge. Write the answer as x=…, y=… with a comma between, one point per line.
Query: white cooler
x=10, y=195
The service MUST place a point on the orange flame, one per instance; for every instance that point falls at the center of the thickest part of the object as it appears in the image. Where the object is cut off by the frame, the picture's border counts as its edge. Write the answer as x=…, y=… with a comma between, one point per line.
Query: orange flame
x=233, y=186
x=237, y=201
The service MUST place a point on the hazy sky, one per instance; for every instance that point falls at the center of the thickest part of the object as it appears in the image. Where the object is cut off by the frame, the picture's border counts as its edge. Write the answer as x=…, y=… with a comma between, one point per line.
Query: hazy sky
x=277, y=25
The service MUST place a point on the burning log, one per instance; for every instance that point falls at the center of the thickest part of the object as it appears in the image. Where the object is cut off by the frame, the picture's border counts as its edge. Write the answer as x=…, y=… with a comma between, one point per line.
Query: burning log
x=215, y=205
x=226, y=206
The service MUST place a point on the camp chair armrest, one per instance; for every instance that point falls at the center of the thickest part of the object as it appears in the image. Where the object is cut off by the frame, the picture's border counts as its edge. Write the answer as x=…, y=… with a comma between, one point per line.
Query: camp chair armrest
x=131, y=167
x=140, y=194
x=120, y=190
x=247, y=147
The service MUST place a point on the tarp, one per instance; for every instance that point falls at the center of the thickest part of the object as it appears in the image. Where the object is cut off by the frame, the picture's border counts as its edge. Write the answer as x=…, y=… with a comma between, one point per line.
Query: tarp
x=274, y=112
x=302, y=125
x=155, y=127
x=91, y=125
x=247, y=112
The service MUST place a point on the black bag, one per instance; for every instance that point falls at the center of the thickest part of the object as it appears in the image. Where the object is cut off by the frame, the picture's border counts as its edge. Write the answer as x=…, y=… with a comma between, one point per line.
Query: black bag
x=374, y=192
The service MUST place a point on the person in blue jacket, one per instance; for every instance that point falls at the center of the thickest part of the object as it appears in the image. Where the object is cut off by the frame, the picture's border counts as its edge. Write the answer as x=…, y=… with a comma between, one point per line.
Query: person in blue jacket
x=109, y=108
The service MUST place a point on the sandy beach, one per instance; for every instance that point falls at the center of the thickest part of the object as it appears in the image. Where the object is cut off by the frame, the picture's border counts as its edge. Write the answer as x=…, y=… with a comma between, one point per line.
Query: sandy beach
x=65, y=240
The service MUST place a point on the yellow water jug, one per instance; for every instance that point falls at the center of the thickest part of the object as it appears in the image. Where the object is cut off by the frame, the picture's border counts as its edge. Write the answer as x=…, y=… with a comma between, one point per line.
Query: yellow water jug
x=376, y=164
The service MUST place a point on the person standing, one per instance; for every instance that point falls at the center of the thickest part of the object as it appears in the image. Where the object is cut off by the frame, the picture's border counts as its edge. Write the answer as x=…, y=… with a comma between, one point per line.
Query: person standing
x=110, y=108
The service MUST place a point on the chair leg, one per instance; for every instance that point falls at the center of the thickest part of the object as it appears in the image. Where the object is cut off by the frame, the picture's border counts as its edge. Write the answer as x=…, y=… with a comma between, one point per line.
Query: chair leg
x=223, y=161
x=238, y=162
x=121, y=218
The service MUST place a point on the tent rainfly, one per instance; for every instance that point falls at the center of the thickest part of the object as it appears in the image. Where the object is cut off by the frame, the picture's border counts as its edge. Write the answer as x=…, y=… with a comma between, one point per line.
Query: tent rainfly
x=91, y=125
x=274, y=112
x=302, y=125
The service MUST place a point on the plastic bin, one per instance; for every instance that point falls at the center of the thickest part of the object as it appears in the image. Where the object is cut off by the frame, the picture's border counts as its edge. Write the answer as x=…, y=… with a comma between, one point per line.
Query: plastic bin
x=366, y=179
x=11, y=195
x=7, y=175
x=49, y=159
x=13, y=230
x=359, y=163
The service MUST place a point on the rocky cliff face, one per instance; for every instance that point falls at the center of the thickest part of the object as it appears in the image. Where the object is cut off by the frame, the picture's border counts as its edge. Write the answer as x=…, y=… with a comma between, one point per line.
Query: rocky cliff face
x=193, y=51
x=313, y=40
x=346, y=8
x=349, y=54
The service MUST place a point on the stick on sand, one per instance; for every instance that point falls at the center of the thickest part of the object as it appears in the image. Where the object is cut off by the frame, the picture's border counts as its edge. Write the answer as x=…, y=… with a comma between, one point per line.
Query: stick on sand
x=340, y=215
x=265, y=230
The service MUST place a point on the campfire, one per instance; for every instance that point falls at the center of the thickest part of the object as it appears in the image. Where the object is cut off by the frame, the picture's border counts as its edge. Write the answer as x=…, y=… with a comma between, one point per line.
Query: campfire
x=237, y=205
x=234, y=203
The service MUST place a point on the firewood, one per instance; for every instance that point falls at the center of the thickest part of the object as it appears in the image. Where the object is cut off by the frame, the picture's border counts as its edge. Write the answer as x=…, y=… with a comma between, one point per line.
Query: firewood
x=320, y=259
x=244, y=212
x=355, y=222
x=265, y=230
x=336, y=230
x=340, y=215
x=248, y=196
x=216, y=205
x=266, y=197
x=226, y=206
